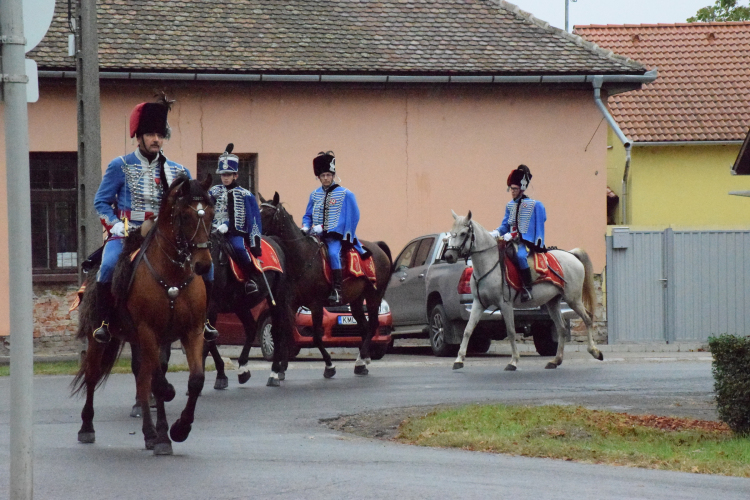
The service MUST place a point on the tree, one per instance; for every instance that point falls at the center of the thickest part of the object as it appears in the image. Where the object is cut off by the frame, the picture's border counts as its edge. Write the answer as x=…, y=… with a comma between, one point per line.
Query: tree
x=722, y=10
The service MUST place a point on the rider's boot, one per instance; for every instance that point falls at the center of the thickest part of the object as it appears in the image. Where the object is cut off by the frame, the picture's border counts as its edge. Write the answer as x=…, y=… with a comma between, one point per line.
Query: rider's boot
x=209, y=332
x=526, y=291
x=105, y=303
x=335, y=297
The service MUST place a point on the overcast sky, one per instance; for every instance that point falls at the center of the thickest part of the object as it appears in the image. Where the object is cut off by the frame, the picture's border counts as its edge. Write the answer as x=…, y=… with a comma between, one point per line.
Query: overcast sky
x=614, y=11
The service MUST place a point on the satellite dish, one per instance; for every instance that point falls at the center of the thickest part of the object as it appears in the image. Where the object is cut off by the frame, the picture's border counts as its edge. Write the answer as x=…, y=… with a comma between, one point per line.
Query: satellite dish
x=37, y=16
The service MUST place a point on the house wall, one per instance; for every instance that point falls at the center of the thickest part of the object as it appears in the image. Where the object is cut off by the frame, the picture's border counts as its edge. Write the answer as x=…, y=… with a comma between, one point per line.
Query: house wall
x=680, y=186
x=411, y=154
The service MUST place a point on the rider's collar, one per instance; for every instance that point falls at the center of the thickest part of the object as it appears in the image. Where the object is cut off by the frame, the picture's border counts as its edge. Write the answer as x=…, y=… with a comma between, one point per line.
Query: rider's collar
x=232, y=185
x=145, y=160
x=331, y=187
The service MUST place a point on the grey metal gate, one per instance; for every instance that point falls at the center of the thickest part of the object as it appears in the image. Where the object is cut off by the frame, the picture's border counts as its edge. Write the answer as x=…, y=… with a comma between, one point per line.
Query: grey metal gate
x=677, y=286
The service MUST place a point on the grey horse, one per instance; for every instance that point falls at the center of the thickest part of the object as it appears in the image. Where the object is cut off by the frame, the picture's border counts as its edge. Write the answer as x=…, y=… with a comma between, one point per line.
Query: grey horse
x=488, y=287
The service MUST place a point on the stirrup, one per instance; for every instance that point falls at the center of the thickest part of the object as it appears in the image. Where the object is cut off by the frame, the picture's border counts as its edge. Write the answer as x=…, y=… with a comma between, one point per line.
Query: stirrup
x=209, y=332
x=526, y=294
x=251, y=287
x=335, y=298
x=102, y=334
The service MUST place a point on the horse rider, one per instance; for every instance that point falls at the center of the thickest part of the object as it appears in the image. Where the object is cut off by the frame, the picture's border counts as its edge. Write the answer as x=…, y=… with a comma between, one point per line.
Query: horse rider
x=237, y=217
x=131, y=193
x=332, y=214
x=523, y=224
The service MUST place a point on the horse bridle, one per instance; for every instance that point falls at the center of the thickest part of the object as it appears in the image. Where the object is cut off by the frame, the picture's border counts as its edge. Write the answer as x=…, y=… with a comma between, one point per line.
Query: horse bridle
x=184, y=246
x=466, y=254
x=276, y=215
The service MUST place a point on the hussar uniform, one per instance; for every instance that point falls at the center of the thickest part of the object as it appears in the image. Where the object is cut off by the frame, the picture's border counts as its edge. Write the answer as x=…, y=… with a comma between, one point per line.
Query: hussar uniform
x=333, y=213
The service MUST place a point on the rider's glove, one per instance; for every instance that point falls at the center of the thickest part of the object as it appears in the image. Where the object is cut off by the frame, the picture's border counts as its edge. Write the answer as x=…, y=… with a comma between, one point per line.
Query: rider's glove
x=305, y=229
x=507, y=237
x=317, y=229
x=223, y=228
x=118, y=229
x=495, y=234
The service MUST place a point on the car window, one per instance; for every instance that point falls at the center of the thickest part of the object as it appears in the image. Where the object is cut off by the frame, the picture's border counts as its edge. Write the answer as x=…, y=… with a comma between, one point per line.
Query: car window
x=423, y=252
x=404, y=260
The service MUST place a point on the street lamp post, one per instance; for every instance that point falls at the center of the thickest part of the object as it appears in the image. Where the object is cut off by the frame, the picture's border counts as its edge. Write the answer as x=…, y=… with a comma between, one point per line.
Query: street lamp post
x=567, y=9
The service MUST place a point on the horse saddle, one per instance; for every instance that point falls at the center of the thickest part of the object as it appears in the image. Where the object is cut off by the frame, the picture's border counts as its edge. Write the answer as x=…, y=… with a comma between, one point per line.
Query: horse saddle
x=268, y=261
x=544, y=267
x=354, y=266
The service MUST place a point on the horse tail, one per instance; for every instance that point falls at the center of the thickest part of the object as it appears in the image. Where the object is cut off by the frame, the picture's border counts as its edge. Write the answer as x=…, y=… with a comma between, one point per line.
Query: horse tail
x=589, y=292
x=384, y=246
x=88, y=321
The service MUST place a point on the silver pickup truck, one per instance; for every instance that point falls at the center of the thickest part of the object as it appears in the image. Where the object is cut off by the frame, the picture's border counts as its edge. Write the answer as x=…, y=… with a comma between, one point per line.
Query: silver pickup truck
x=430, y=298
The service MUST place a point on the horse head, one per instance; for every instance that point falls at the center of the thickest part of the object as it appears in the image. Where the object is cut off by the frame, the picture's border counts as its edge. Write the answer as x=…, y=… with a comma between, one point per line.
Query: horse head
x=186, y=213
x=460, y=238
x=276, y=220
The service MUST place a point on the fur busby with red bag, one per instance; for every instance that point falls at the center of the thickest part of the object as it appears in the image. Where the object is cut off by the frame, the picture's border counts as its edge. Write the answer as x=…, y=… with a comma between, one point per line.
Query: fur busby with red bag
x=521, y=176
x=324, y=162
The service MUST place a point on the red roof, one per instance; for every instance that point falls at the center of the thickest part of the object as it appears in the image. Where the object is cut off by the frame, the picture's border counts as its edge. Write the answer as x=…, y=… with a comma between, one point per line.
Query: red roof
x=702, y=92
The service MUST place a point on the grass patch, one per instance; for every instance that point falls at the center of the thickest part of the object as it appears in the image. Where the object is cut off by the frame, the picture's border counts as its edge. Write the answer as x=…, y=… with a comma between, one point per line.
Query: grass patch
x=582, y=435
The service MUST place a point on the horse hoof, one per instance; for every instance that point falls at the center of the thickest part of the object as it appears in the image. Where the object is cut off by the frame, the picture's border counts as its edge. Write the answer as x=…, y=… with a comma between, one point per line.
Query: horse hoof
x=510, y=368
x=169, y=393
x=458, y=365
x=150, y=443
x=282, y=375
x=361, y=370
x=135, y=412
x=86, y=437
x=329, y=372
x=221, y=383
x=600, y=357
x=179, y=432
x=273, y=382
x=550, y=366
x=243, y=377
x=163, y=449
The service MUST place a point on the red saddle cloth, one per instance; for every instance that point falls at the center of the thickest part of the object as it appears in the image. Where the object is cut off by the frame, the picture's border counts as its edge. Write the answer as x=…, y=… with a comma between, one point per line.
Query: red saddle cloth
x=541, y=265
x=268, y=261
x=354, y=266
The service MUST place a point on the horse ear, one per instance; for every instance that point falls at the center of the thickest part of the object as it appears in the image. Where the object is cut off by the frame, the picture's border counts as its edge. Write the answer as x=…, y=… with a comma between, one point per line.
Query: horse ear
x=276, y=198
x=206, y=184
x=468, y=217
x=454, y=215
x=260, y=197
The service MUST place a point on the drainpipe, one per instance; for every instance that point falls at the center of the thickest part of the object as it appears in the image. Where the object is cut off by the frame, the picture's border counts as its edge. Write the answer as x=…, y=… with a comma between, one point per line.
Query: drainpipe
x=597, y=83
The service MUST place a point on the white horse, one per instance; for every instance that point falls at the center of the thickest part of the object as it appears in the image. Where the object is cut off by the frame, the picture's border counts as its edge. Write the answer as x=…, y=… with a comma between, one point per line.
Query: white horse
x=488, y=286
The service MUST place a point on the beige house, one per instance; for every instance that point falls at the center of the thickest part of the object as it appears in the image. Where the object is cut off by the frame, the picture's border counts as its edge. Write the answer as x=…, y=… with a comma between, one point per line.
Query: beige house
x=427, y=105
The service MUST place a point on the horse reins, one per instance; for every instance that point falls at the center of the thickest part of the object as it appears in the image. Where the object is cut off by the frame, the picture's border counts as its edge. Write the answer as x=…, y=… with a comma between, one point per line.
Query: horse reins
x=459, y=251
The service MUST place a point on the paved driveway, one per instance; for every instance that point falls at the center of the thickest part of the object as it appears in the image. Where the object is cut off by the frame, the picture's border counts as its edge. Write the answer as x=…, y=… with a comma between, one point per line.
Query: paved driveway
x=257, y=442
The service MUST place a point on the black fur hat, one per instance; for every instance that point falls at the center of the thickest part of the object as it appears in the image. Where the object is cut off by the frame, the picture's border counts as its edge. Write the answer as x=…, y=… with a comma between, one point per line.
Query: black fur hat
x=520, y=177
x=324, y=162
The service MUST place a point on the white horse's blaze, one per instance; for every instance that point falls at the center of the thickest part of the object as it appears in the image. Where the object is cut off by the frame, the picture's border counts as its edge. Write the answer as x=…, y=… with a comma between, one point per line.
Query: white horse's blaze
x=244, y=369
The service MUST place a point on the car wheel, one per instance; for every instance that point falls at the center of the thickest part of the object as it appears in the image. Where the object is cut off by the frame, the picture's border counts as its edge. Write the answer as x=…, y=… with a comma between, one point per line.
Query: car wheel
x=440, y=330
x=479, y=344
x=545, y=338
x=377, y=351
x=266, y=339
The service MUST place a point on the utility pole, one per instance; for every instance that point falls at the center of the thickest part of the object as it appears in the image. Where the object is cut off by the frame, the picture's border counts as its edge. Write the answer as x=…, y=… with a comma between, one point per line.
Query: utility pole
x=19, y=250
x=89, y=130
x=567, y=9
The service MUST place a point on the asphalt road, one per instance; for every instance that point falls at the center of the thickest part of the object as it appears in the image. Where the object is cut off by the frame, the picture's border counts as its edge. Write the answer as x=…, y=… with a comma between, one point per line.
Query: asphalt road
x=252, y=441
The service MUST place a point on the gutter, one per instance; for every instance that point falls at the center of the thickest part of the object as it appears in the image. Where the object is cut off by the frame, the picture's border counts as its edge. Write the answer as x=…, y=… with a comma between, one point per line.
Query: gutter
x=321, y=78
x=598, y=81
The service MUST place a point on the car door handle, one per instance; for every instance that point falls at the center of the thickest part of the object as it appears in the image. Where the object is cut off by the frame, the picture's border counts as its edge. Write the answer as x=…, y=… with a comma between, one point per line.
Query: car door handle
x=402, y=279
x=421, y=275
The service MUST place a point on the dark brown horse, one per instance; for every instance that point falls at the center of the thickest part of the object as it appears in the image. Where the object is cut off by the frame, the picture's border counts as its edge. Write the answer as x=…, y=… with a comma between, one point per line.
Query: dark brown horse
x=311, y=289
x=158, y=302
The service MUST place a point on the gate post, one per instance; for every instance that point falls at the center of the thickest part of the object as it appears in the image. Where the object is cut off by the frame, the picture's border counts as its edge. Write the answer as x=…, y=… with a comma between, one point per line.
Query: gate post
x=668, y=282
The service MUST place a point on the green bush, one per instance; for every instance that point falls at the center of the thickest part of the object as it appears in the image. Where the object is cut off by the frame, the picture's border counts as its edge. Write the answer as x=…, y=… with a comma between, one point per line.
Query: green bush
x=731, y=369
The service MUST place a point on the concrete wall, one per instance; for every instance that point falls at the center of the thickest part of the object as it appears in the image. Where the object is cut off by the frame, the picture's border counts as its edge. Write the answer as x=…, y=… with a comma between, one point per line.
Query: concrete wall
x=409, y=153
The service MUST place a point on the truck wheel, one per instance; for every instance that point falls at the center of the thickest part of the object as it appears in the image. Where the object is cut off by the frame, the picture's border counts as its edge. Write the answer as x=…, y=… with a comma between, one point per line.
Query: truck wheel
x=440, y=330
x=479, y=344
x=545, y=338
x=266, y=340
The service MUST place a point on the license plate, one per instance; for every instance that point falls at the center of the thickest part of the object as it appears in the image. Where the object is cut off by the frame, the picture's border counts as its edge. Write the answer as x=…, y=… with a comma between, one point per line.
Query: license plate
x=347, y=320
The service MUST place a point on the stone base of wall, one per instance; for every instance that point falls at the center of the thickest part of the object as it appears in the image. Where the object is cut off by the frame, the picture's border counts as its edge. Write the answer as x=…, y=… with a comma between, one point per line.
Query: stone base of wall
x=54, y=327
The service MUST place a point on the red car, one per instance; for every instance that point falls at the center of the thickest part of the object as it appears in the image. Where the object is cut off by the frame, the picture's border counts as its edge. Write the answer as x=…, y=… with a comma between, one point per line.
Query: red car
x=339, y=330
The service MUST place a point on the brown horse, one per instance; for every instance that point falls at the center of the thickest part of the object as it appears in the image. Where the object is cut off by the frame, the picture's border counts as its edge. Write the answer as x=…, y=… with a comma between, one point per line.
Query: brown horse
x=158, y=302
x=311, y=289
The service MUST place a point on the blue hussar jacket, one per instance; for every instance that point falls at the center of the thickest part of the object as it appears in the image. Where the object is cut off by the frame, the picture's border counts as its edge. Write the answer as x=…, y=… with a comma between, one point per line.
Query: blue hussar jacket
x=131, y=188
x=528, y=217
x=237, y=208
x=336, y=210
